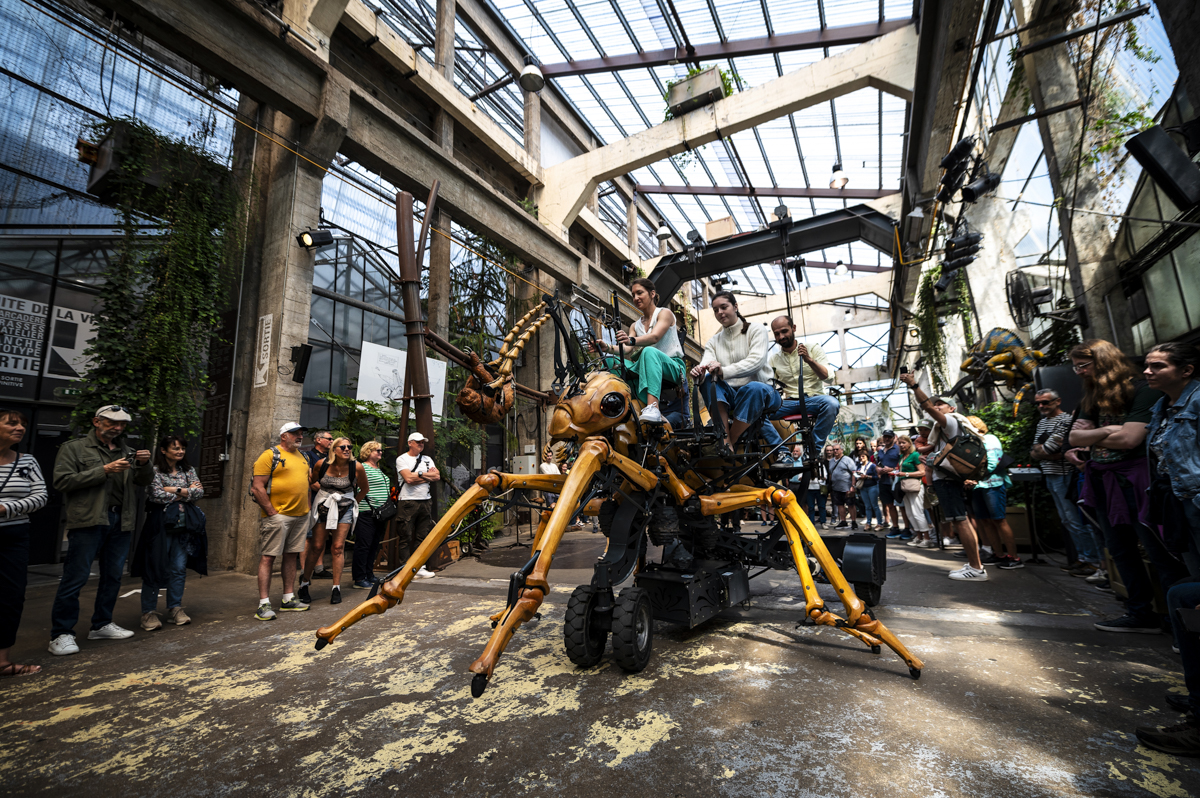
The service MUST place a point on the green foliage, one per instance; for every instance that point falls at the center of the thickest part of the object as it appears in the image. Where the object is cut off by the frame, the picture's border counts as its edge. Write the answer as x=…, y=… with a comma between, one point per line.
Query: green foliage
x=164, y=293
x=361, y=420
x=930, y=335
x=964, y=306
x=1015, y=433
x=529, y=206
x=486, y=530
x=1061, y=337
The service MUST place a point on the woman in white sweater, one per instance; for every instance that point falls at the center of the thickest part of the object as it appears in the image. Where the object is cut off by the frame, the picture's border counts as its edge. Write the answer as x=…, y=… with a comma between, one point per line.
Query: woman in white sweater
x=734, y=370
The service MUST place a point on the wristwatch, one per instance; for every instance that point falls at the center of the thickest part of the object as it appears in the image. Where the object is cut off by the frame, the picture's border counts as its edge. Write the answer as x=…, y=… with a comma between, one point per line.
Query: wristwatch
x=632, y=341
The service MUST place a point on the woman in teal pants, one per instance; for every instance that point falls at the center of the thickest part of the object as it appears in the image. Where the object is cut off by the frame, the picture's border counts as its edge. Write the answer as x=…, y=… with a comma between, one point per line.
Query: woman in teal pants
x=655, y=339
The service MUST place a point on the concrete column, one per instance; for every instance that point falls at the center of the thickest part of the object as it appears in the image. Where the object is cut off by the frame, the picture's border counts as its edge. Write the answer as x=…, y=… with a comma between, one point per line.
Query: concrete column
x=443, y=58
x=1052, y=81
x=533, y=126
x=284, y=287
x=631, y=222
x=443, y=125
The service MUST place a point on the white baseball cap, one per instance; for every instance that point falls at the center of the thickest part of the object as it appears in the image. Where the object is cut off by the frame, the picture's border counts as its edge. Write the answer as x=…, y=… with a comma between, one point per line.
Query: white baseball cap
x=114, y=413
x=416, y=436
x=291, y=426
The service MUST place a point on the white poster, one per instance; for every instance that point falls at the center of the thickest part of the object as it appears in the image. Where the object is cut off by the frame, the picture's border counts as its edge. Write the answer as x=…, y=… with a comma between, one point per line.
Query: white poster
x=381, y=376
x=22, y=327
x=262, y=360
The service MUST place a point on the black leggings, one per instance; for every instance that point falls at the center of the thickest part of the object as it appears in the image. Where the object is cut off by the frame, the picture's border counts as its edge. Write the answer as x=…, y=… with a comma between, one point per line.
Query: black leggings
x=14, y=574
x=366, y=547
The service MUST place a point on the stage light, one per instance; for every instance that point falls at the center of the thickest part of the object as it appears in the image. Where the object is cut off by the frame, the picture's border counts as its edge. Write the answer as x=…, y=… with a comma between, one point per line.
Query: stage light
x=944, y=281
x=984, y=185
x=310, y=239
x=840, y=270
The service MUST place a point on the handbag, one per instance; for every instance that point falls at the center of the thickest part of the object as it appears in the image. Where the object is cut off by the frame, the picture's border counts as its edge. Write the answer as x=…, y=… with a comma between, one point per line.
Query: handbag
x=385, y=511
x=910, y=484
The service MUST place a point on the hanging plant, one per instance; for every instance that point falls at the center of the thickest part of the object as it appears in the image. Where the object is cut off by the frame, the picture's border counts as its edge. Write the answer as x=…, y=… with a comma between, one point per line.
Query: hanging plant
x=728, y=79
x=166, y=287
x=964, y=307
x=933, y=348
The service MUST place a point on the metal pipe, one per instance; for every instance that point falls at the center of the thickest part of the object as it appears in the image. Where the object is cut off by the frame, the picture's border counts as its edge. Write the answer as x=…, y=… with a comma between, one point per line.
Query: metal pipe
x=417, y=374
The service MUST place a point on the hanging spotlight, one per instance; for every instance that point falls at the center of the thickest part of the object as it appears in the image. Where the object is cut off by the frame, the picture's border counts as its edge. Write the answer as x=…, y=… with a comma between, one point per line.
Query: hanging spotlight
x=944, y=281
x=311, y=239
x=840, y=270
x=849, y=315
x=916, y=214
x=984, y=185
x=955, y=164
x=839, y=179
x=663, y=233
x=531, y=80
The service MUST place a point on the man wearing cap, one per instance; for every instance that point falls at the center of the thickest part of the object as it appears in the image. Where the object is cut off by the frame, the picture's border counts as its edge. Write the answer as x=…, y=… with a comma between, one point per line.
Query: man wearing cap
x=96, y=475
x=415, y=517
x=280, y=486
x=950, y=492
x=888, y=464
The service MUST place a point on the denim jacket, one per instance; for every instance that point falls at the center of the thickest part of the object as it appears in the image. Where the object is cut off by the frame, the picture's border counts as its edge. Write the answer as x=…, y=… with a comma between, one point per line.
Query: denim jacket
x=1182, y=443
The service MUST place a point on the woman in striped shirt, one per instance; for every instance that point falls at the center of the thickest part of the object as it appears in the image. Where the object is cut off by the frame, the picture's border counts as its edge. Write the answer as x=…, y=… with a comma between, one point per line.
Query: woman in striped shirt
x=22, y=490
x=368, y=532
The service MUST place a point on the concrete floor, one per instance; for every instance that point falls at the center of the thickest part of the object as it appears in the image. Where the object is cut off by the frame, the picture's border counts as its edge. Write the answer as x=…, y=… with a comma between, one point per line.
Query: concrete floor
x=1020, y=697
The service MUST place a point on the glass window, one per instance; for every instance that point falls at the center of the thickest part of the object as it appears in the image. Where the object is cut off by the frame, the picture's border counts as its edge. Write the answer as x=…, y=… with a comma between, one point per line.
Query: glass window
x=1143, y=336
x=317, y=378
x=36, y=256
x=85, y=262
x=1187, y=264
x=1166, y=301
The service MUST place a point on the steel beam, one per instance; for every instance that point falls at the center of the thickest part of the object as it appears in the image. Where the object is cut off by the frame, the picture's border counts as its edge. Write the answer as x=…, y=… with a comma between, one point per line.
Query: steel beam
x=750, y=191
x=1066, y=36
x=807, y=40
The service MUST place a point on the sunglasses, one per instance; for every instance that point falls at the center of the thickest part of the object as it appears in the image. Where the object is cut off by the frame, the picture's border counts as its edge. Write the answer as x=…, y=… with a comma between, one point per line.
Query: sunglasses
x=343, y=446
x=1045, y=402
x=1079, y=368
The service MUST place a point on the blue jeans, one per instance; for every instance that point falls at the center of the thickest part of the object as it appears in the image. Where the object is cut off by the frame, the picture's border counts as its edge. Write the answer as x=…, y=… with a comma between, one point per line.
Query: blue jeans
x=176, y=572
x=816, y=503
x=752, y=402
x=822, y=406
x=110, y=546
x=1187, y=596
x=1086, y=547
x=990, y=504
x=870, y=497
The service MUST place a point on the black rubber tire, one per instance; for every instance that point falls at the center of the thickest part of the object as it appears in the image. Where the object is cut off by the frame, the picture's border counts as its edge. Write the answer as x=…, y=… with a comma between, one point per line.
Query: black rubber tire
x=632, y=630
x=869, y=592
x=584, y=642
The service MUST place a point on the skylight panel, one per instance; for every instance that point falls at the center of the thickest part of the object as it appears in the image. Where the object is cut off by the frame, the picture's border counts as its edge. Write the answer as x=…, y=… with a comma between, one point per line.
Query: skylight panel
x=850, y=12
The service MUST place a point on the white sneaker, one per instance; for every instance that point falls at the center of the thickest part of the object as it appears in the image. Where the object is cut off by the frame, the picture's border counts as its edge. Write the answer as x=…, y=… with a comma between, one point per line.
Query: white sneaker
x=929, y=543
x=651, y=415
x=109, y=632
x=969, y=574
x=1097, y=577
x=953, y=543
x=424, y=573
x=914, y=542
x=63, y=645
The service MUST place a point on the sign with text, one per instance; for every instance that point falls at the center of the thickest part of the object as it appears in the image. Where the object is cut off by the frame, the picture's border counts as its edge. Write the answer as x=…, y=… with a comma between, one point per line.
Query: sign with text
x=23, y=333
x=381, y=376
x=262, y=360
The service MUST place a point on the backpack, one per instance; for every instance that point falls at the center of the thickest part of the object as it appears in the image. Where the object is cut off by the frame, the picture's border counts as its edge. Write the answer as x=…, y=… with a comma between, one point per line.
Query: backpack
x=965, y=456
x=276, y=459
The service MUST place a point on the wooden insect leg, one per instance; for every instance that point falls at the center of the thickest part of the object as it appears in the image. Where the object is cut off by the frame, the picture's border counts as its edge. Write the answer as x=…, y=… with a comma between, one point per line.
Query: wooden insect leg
x=527, y=594
x=861, y=622
x=392, y=593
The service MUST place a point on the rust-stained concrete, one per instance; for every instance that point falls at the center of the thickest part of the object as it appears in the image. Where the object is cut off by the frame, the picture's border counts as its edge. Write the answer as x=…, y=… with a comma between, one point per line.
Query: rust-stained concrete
x=1022, y=698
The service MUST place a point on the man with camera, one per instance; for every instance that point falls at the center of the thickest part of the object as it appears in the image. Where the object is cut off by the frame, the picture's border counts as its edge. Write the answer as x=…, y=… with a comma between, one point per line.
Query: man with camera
x=96, y=475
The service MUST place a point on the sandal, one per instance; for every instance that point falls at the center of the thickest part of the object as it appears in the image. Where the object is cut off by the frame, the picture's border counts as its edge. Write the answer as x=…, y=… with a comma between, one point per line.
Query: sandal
x=13, y=669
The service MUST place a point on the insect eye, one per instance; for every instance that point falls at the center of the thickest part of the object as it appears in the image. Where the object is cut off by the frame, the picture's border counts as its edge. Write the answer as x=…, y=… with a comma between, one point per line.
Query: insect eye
x=613, y=405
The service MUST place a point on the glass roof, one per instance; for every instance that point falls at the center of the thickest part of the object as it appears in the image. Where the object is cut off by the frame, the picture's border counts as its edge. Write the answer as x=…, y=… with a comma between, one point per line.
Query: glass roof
x=863, y=131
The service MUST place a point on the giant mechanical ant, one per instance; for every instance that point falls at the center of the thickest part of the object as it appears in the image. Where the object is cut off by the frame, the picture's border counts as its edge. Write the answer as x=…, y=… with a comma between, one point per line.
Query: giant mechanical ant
x=649, y=484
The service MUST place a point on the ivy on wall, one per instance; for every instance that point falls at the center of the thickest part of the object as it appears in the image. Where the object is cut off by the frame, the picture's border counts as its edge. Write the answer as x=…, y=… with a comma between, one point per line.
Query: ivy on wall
x=164, y=291
x=933, y=348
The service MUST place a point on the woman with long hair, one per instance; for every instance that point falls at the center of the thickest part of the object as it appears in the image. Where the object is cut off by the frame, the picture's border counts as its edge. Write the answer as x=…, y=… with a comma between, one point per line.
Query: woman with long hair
x=912, y=472
x=1117, y=477
x=653, y=342
x=161, y=554
x=368, y=532
x=340, y=483
x=861, y=447
x=735, y=376
x=22, y=491
x=870, y=488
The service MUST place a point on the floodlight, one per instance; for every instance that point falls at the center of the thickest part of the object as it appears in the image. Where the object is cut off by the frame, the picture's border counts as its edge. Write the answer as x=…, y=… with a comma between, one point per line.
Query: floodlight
x=663, y=233
x=311, y=239
x=984, y=185
x=781, y=211
x=840, y=270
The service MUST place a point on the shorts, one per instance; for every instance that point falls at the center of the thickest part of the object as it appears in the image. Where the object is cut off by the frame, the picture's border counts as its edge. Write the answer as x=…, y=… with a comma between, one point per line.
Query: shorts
x=841, y=498
x=951, y=498
x=282, y=534
x=990, y=504
x=886, y=495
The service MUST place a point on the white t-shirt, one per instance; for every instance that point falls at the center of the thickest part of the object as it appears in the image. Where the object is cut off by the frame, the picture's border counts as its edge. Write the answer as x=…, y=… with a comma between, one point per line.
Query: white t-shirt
x=413, y=493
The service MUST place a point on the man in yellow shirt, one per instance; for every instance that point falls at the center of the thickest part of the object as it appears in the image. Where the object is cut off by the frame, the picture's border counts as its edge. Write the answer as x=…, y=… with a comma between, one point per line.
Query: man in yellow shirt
x=787, y=362
x=281, y=489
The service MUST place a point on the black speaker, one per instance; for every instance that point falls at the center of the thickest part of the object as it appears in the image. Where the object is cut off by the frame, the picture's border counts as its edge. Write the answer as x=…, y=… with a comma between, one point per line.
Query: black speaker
x=1064, y=380
x=1167, y=165
x=300, y=356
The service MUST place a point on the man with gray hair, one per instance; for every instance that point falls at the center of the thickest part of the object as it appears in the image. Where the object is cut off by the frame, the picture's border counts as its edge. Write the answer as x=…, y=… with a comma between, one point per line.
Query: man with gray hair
x=1048, y=447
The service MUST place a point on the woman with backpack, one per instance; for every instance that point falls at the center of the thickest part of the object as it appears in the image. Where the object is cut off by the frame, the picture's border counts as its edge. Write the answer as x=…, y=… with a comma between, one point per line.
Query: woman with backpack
x=340, y=482
x=1117, y=476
